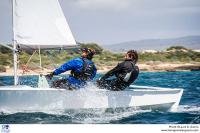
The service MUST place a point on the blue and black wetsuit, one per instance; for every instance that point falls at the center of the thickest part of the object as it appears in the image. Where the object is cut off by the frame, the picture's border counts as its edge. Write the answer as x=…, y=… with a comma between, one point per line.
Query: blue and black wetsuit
x=82, y=70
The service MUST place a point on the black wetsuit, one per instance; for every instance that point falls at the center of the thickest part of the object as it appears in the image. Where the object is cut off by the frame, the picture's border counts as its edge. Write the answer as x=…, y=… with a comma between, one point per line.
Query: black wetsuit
x=120, y=72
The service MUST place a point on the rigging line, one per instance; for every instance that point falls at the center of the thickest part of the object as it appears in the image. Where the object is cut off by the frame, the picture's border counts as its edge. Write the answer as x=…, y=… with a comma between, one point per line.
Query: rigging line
x=30, y=58
x=40, y=57
x=35, y=71
x=25, y=67
x=49, y=55
x=51, y=59
x=18, y=48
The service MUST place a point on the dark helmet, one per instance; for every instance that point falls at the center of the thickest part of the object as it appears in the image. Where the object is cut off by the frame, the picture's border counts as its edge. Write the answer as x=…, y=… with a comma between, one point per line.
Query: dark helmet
x=133, y=54
x=90, y=52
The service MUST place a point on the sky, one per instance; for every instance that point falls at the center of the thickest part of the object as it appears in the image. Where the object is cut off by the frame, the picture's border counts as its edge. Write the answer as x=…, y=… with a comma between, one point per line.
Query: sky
x=115, y=21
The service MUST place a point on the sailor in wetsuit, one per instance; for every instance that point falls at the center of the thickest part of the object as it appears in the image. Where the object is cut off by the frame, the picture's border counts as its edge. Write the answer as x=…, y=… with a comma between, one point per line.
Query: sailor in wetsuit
x=82, y=70
x=125, y=73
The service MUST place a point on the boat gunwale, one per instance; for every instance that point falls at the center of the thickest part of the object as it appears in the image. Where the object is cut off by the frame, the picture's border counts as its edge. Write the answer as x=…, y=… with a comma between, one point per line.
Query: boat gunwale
x=130, y=89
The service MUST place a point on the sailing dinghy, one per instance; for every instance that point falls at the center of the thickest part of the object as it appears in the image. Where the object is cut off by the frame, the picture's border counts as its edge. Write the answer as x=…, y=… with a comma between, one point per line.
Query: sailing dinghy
x=40, y=24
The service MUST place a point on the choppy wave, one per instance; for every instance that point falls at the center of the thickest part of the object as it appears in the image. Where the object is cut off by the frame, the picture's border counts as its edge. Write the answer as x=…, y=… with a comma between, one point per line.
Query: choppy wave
x=76, y=116
x=189, y=109
x=95, y=115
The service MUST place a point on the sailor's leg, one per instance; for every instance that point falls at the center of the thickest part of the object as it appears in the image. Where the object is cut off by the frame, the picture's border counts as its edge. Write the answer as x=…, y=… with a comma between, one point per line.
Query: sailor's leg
x=68, y=86
x=113, y=85
x=59, y=83
x=104, y=84
x=117, y=85
x=64, y=84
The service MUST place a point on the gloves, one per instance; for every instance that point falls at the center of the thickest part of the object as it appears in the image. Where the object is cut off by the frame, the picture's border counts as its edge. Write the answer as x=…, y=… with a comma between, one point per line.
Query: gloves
x=49, y=76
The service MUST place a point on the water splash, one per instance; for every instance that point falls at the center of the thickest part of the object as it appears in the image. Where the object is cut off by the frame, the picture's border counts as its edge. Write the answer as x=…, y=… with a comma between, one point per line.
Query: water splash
x=91, y=86
x=189, y=109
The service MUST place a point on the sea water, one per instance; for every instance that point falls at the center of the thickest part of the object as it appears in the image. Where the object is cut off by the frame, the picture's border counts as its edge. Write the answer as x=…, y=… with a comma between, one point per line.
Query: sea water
x=188, y=111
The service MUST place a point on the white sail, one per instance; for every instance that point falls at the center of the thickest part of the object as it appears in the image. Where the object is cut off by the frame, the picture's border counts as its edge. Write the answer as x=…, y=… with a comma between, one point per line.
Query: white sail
x=40, y=23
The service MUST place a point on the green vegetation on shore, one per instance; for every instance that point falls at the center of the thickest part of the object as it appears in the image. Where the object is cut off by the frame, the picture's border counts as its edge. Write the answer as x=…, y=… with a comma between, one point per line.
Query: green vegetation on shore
x=172, y=54
x=102, y=58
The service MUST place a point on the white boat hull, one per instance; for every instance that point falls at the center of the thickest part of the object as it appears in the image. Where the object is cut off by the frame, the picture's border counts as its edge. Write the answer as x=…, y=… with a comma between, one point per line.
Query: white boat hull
x=27, y=98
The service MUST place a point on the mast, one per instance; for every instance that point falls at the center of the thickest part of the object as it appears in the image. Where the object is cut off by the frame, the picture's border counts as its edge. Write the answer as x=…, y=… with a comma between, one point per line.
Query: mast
x=14, y=47
x=15, y=64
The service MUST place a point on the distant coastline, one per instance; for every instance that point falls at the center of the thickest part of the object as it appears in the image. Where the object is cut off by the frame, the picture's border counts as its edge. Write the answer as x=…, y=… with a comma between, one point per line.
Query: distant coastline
x=144, y=67
x=175, y=58
x=158, y=44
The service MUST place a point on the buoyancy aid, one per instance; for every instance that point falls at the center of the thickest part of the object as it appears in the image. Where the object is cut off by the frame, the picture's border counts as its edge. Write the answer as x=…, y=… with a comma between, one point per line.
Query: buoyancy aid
x=86, y=72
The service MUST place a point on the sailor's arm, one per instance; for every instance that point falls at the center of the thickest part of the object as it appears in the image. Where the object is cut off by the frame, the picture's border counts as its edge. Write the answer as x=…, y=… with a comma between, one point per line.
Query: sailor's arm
x=65, y=67
x=111, y=72
x=70, y=65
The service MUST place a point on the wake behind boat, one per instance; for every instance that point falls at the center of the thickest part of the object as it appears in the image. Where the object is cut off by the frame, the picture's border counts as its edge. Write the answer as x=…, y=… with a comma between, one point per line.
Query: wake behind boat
x=33, y=30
